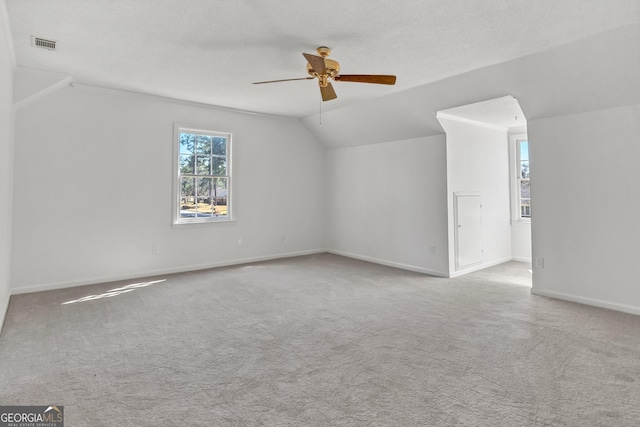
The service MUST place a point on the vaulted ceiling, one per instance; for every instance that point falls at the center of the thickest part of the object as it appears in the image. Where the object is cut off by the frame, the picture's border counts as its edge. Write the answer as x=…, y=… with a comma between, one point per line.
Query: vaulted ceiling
x=210, y=51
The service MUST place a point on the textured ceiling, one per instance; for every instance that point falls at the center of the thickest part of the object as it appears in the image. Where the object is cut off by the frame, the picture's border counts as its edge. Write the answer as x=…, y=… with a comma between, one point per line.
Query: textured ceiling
x=210, y=51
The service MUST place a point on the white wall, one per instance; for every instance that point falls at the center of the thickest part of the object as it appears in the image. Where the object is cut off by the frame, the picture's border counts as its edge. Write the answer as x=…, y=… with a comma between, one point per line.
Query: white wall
x=388, y=203
x=521, y=241
x=30, y=85
x=7, y=66
x=478, y=161
x=93, y=189
x=584, y=170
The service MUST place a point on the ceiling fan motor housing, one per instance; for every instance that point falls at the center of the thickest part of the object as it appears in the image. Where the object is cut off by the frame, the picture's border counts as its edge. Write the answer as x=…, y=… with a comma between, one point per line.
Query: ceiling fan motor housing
x=332, y=68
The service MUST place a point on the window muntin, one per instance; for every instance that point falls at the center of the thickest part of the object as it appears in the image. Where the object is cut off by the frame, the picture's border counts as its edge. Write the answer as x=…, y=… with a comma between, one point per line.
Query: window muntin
x=203, y=176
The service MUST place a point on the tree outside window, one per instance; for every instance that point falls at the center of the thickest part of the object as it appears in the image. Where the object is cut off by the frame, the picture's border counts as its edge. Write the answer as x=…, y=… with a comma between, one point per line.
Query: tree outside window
x=203, y=176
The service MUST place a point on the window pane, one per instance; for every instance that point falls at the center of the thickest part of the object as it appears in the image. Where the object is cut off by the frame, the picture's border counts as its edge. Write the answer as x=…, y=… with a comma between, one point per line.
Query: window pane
x=221, y=184
x=186, y=164
x=187, y=187
x=205, y=187
x=187, y=198
x=219, y=166
x=203, y=144
x=220, y=146
x=219, y=196
x=525, y=208
x=524, y=150
x=524, y=169
x=204, y=165
x=525, y=191
x=204, y=207
x=220, y=210
x=187, y=142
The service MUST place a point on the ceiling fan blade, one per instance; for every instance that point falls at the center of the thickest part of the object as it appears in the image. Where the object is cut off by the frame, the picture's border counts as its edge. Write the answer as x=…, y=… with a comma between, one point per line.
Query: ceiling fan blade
x=367, y=78
x=316, y=62
x=284, y=80
x=328, y=93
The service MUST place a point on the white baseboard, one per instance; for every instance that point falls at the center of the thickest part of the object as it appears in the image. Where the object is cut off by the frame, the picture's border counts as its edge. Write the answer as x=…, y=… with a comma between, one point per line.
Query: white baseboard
x=150, y=273
x=388, y=263
x=587, y=301
x=521, y=259
x=478, y=267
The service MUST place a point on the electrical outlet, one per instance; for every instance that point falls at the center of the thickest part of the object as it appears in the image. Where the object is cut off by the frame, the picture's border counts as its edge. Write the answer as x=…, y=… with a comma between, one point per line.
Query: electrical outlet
x=154, y=248
x=540, y=262
x=432, y=249
x=240, y=242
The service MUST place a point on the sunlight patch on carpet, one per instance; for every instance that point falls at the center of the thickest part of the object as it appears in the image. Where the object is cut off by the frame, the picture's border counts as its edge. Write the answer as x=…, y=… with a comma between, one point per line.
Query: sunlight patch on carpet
x=115, y=292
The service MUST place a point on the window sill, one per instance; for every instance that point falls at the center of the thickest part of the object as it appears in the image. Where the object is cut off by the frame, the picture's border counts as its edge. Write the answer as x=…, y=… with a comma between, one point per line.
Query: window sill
x=217, y=223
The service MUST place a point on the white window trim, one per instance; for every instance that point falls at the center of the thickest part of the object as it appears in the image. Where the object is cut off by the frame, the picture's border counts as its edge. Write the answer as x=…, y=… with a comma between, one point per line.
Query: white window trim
x=176, y=220
x=513, y=177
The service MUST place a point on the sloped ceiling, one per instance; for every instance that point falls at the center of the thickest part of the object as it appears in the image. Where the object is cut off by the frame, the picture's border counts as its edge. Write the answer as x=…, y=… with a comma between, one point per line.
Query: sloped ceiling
x=210, y=51
x=503, y=112
x=596, y=72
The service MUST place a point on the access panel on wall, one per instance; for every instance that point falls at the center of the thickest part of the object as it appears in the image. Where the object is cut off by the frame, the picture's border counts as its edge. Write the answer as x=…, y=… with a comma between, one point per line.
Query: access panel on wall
x=468, y=229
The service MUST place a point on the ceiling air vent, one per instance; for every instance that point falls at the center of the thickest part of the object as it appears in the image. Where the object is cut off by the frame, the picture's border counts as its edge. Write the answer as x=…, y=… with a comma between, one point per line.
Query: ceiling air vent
x=43, y=43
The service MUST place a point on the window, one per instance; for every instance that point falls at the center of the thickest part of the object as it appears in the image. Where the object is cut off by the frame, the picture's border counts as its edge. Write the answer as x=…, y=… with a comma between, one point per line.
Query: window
x=522, y=188
x=203, y=178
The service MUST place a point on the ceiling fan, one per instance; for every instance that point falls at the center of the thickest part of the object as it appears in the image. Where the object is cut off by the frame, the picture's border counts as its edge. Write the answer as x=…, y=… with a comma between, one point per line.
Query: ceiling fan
x=325, y=69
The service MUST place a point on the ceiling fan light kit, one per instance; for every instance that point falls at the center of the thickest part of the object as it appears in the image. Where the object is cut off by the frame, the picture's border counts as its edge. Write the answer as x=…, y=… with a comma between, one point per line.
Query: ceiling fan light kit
x=325, y=69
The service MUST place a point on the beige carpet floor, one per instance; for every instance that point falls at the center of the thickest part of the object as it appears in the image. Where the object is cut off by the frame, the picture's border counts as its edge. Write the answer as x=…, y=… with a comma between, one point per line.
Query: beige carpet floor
x=321, y=341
